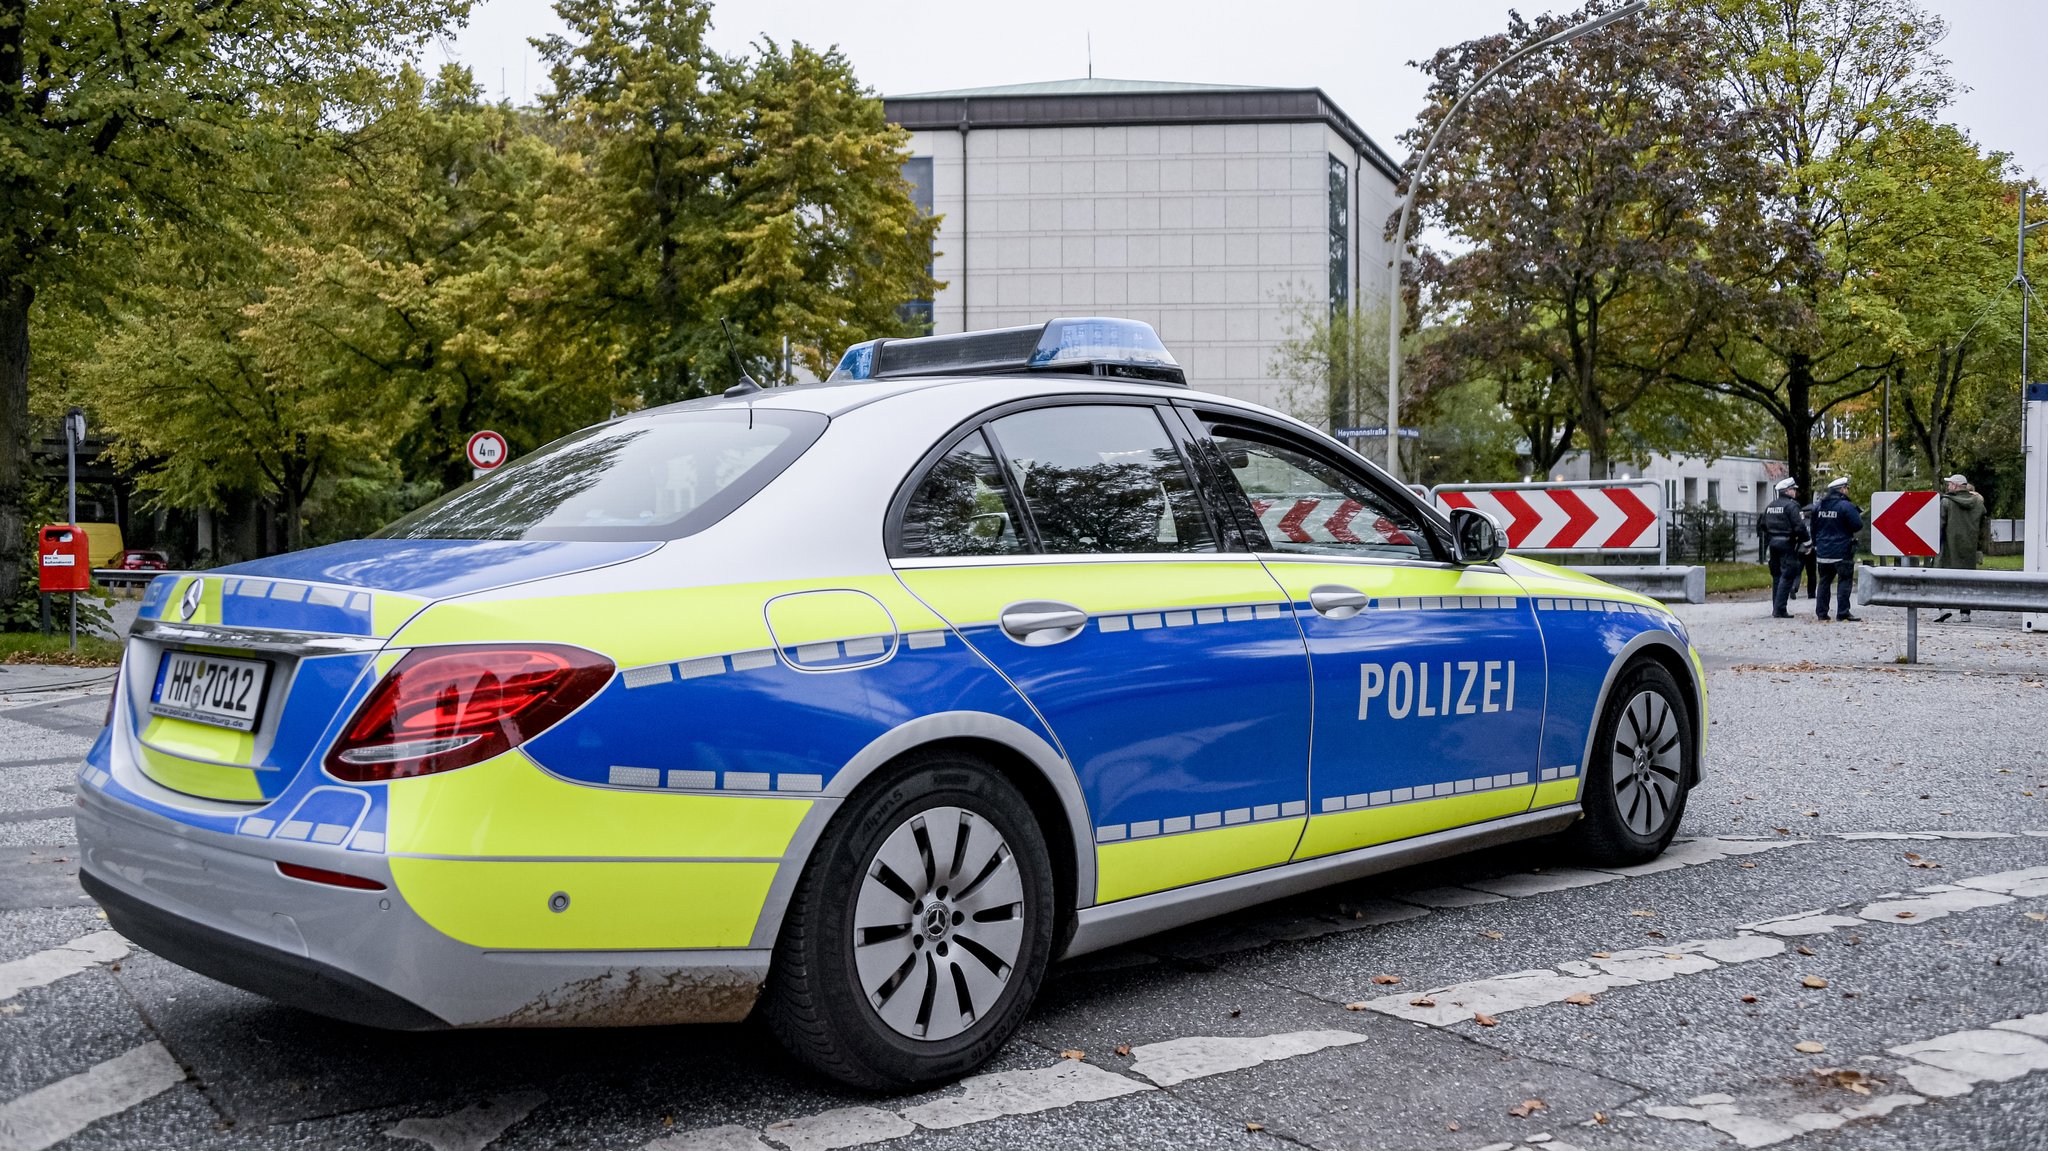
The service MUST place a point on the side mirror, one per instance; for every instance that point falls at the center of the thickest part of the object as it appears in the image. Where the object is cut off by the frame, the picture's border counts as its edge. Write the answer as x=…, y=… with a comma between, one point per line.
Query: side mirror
x=1475, y=538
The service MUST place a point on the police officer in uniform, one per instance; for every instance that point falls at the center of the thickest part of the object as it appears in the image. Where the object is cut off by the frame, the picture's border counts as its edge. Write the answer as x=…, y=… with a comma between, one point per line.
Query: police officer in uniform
x=1836, y=520
x=1783, y=528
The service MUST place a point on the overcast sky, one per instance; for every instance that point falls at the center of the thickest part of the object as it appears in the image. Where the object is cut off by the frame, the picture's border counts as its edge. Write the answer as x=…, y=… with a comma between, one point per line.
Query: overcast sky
x=1356, y=50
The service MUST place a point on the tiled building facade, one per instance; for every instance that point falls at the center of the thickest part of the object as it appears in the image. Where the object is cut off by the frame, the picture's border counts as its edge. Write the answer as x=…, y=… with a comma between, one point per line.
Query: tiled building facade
x=1219, y=215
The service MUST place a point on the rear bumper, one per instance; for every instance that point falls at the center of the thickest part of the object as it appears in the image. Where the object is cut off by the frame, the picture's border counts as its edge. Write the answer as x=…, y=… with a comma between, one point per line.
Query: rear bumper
x=217, y=904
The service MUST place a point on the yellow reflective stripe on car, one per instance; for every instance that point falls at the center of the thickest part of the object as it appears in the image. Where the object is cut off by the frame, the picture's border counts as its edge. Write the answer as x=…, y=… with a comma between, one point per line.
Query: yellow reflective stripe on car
x=633, y=628
x=1557, y=791
x=973, y=595
x=1348, y=830
x=609, y=906
x=389, y=612
x=1141, y=866
x=195, y=777
x=507, y=806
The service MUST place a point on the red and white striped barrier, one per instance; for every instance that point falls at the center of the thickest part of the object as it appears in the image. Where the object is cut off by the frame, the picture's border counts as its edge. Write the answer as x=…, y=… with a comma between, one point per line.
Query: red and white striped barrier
x=1581, y=516
x=1319, y=520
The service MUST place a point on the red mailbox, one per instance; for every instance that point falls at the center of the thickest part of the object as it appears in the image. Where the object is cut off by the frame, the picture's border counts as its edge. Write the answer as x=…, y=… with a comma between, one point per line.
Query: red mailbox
x=66, y=561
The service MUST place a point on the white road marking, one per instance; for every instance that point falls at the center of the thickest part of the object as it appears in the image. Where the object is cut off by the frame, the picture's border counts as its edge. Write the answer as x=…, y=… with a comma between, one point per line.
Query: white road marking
x=46, y=967
x=1857, y=836
x=474, y=1127
x=1515, y=991
x=1941, y=1067
x=1937, y=902
x=1519, y=990
x=1001, y=1093
x=1523, y=885
x=839, y=1127
x=727, y=1138
x=1450, y=897
x=1526, y=884
x=49, y=1115
x=1693, y=852
x=1198, y=1057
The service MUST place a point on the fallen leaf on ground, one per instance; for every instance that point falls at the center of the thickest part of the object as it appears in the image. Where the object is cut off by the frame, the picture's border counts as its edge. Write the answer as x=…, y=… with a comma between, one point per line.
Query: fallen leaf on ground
x=1255, y=1126
x=1579, y=999
x=1384, y=980
x=1451, y=1126
x=1422, y=1001
x=1673, y=955
x=1071, y=1053
x=1528, y=1107
x=1484, y=1020
x=1845, y=1077
x=1747, y=866
x=1804, y=949
x=1643, y=913
x=1654, y=933
x=1809, y=1046
x=1361, y=1005
x=1813, y=981
x=1492, y=935
x=1603, y=955
x=1123, y=1049
x=1235, y=1012
x=1749, y=999
x=1905, y=915
x=1600, y=1117
x=2038, y=916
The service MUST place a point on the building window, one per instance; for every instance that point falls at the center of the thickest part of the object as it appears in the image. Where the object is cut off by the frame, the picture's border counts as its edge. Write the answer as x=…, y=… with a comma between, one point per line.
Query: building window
x=1714, y=493
x=917, y=172
x=1340, y=236
x=1692, y=491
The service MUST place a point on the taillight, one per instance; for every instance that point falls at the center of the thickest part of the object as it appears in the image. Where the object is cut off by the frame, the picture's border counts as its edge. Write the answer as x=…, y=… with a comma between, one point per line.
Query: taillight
x=331, y=878
x=447, y=707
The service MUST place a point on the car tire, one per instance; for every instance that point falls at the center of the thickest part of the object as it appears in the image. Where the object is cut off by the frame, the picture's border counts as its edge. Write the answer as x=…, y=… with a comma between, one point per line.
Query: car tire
x=1636, y=780
x=920, y=931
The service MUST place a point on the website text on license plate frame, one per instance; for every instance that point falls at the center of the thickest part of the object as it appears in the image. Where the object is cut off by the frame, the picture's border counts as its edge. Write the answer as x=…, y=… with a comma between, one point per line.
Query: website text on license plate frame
x=232, y=697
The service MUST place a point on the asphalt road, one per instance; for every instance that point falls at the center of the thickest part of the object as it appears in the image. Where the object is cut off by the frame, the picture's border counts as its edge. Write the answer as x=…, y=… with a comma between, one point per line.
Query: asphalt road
x=1865, y=869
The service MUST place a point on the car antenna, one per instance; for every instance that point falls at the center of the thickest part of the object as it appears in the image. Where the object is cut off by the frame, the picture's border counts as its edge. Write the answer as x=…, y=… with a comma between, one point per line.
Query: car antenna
x=746, y=386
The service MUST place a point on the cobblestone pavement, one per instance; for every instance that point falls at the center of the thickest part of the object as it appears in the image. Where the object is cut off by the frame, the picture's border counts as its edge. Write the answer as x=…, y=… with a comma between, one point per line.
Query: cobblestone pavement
x=1848, y=948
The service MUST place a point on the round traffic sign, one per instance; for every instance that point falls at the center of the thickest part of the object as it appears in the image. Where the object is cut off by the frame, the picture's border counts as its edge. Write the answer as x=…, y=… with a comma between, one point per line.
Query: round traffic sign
x=486, y=450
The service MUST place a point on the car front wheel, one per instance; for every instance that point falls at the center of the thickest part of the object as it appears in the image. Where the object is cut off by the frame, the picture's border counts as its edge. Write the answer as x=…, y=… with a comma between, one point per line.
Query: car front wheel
x=920, y=931
x=1635, y=784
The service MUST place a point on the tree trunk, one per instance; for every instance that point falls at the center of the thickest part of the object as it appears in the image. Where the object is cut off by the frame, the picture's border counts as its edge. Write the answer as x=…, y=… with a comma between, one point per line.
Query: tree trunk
x=1797, y=422
x=14, y=304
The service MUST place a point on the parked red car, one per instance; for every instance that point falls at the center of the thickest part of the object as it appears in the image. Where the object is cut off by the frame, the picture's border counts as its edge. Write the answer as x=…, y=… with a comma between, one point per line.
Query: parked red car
x=141, y=560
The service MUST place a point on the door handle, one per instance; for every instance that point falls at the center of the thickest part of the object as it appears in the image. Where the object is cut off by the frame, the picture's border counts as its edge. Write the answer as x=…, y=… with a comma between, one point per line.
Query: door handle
x=1040, y=623
x=1335, y=601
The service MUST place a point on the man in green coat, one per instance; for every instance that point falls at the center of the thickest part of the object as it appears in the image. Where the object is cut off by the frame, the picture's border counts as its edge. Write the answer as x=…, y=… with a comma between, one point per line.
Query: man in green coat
x=1964, y=524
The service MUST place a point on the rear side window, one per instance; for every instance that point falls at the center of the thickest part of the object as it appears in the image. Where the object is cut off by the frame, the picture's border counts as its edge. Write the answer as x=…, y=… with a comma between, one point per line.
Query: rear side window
x=962, y=508
x=654, y=477
x=1101, y=479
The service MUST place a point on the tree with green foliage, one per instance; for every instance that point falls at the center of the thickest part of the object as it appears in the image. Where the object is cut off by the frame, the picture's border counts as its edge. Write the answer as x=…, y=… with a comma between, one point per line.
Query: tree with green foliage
x=1590, y=189
x=765, y=191
x=118, y=119
x=1821, y=86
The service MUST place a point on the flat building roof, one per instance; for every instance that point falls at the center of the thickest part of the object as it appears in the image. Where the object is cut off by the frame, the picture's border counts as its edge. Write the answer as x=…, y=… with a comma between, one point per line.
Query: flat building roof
x=1105, y=102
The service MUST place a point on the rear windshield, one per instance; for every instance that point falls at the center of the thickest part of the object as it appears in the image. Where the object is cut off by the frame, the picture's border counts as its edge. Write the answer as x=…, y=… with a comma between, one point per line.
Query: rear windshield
x=653, y=477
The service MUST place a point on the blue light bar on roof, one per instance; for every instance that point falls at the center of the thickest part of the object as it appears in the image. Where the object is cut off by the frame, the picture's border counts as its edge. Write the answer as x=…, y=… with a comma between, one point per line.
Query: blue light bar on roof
x=1119, y=349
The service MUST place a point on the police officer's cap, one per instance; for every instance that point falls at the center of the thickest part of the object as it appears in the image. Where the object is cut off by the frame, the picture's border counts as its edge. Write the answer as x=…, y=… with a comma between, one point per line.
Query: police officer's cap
x=1838, y=482
x=1787, y=482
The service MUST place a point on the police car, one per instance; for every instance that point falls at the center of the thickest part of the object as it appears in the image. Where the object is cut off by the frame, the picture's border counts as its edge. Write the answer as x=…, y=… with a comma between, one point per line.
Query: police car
x=853, y=705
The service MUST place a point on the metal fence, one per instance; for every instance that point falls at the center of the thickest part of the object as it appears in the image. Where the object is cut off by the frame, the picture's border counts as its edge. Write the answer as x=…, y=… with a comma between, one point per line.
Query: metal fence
x=1701, y=535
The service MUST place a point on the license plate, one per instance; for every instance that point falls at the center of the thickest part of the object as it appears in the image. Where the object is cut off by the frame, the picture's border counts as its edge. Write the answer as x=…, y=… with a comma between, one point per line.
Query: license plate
x=210, y=689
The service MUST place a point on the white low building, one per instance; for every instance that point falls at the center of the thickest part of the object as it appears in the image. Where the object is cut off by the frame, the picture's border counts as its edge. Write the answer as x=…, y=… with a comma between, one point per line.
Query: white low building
x=1740, y=484
x=1217, y=214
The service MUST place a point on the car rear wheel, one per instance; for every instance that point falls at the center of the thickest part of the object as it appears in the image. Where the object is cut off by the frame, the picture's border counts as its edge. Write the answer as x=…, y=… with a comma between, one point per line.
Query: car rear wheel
x=1635, y=784
x=920, y=931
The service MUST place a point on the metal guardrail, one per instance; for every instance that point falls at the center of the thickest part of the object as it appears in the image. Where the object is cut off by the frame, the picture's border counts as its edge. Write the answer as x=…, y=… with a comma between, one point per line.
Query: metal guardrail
x=1665, y=584
x=1953, y=588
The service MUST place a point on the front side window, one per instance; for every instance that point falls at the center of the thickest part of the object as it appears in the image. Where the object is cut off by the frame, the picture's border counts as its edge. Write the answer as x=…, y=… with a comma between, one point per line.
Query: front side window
x=962, y=508
x=1309, y=505
x=660, y=476
x=1102, y=479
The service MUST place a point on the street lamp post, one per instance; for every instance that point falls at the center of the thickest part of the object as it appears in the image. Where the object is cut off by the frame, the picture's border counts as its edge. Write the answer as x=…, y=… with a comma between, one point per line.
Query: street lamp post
x=1408, y=206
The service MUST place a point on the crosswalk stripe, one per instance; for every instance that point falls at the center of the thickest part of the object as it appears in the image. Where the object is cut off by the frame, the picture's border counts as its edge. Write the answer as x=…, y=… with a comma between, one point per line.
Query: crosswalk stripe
x=473, y=1128
x=48, y=1115
x=46, y=967
x=1941, y=1067
x=1606, y=971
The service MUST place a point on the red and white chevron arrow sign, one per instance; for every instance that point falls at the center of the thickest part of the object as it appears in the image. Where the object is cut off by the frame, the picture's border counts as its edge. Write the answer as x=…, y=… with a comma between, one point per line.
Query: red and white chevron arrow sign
x=1567, y=517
